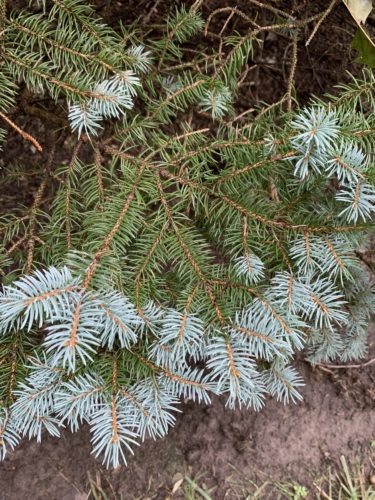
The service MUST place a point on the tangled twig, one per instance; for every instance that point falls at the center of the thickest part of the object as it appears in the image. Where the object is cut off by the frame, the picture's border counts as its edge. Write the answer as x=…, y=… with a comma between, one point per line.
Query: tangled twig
x=342, y=367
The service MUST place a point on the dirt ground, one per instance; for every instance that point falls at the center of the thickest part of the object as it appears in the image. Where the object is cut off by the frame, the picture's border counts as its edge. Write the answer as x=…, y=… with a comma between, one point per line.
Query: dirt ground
x=222, y=448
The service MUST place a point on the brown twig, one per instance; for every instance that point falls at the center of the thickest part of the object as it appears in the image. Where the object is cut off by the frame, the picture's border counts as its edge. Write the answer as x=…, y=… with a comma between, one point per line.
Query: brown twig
x=232, y=11
x=343, y=367
x=292, y=70
x=15, y=246
x=98, y=173
x=32, y=237
x=196, y=5
x=274, y=10
x=325, y=14
x=68, y=194
x=148, y=16
x=24, y=134
x=33, y=224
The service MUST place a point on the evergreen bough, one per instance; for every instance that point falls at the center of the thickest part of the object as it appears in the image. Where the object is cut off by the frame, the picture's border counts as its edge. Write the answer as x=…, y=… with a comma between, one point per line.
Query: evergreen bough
x=170, y=262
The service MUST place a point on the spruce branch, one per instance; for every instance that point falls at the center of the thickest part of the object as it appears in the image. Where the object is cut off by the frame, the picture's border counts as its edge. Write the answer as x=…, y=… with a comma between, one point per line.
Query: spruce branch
x=174, y=262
